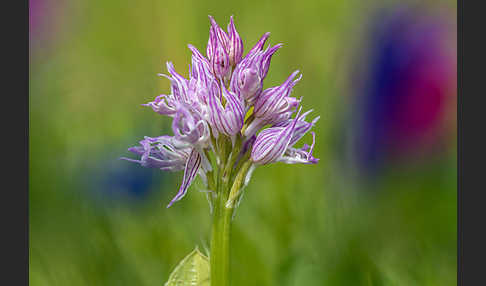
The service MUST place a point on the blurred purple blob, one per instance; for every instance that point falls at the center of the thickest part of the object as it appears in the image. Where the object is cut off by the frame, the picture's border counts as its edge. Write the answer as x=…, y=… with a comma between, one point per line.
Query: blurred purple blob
x=110, y=182
x=35, y=8
x=408, y=89
x=46, y=22
x=128, y=183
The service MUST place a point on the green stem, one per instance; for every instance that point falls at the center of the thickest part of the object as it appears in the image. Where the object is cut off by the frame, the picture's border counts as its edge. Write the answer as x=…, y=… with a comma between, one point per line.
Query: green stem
x=220, y=238
x=221, y=226
x=222, y=216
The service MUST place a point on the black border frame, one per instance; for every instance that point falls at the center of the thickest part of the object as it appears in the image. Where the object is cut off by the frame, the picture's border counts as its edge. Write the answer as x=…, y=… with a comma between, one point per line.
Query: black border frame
x=471, y=157
x=14, y=211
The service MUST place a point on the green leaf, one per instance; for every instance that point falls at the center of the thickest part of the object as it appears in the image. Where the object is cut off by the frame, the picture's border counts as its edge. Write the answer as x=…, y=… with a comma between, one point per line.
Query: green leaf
x=193, y=270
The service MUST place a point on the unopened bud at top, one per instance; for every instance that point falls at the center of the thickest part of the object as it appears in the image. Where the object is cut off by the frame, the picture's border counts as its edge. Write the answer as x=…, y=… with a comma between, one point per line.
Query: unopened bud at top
x=224, y=50
x=235, y=44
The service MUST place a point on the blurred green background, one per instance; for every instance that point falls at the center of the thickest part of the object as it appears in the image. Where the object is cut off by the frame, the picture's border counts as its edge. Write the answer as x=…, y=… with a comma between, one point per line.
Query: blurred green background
x=97, y=220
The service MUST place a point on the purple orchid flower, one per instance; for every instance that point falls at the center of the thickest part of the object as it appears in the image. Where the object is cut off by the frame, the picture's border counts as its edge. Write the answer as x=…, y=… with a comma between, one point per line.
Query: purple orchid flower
x=230, y=42
x=235, y=44
x=275, y=144
x=303, y=155
x=191, y=169
x=188, y=126
x=248, y=76
x=208, y=111
x=164, y=152
x=274, y=105
x=224, y=50
x=166, y=104
x=226, y=120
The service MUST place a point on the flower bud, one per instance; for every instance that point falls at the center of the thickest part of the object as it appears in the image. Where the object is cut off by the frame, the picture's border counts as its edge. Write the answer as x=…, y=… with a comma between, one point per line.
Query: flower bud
x=220, y=63
x=249, y=84
x=217, y=51
x=276, y=101
x=229, y=119
x=272, y=143
x=235, y=44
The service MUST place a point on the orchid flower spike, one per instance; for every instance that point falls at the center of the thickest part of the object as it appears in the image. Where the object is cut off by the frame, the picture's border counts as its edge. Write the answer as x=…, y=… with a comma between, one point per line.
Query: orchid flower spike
x=223, y=119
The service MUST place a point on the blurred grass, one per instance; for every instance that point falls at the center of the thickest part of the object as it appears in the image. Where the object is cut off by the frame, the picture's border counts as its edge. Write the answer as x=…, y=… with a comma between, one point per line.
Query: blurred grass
x=297, y=225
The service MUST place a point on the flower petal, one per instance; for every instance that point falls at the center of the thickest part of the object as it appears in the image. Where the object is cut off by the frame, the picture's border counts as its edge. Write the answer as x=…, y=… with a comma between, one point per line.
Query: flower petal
x=178, y=83
x=294, y=156
x=235, y=44
x=268, y=105
x=272, y=142
x=164, y=152
x=162, y=104
x=259, y=45
x=192, y=166
x=228, y=120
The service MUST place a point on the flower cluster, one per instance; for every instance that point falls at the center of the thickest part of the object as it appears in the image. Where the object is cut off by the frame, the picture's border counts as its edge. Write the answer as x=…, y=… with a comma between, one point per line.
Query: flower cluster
x=223, y=114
